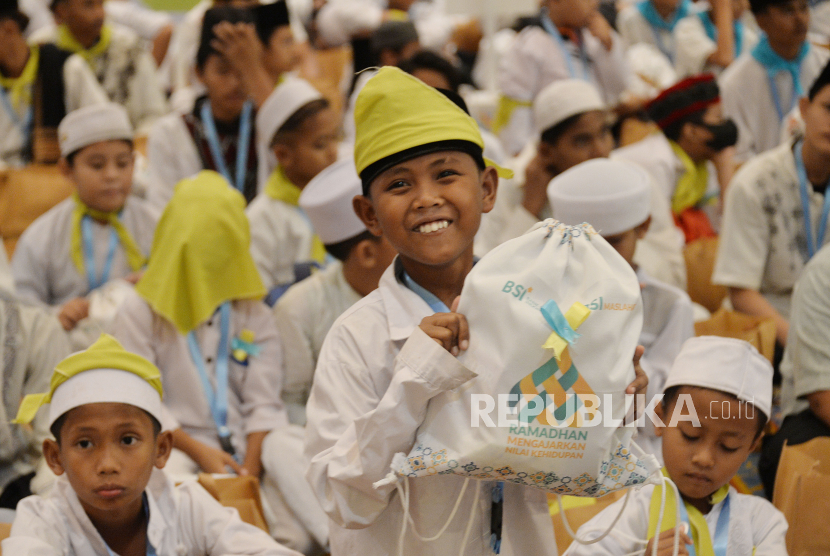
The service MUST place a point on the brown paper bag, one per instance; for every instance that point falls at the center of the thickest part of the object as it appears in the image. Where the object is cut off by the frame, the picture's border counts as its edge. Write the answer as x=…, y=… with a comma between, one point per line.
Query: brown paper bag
x=241, y=493
x=802, y=493
x=760, y=332
x=700, y=258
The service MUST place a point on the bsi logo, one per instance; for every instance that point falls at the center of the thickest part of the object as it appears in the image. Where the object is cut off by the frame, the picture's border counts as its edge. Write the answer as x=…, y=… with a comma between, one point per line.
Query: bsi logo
x=599, y=304
x=516, y=290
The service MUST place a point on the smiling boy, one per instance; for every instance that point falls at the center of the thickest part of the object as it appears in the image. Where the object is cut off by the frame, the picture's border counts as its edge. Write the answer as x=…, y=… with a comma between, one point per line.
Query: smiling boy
x=111, y=497
x=425, y=187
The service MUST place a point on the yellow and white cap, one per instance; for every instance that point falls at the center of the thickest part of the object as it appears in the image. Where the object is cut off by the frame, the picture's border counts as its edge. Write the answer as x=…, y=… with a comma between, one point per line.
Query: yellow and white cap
x=104, y=373
x=92, y=124
x=398, y=117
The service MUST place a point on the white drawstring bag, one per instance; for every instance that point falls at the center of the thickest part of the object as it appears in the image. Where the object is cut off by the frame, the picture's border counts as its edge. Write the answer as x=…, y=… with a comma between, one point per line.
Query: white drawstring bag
x=554, y=318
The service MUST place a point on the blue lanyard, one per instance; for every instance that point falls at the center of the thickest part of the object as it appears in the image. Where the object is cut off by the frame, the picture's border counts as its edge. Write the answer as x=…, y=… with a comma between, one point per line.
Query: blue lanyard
x=547, y=25
x=25, y=125
x=776, y=98
x=89, y=254
x=658, y=42
x=432, y=300
x=720, y=541
x=218, y=399
x=812, y=243
x=241, y=148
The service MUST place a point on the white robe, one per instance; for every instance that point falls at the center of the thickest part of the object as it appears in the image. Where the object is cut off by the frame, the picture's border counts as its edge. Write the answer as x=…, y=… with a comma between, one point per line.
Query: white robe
x=184, y=520
x=376, y=373
x=126, y=72
x=304, y=315
x=171, y=157
x=693, y=47
x=747, y=99
x=44, y=271
x=756, y=528
x=80, y=89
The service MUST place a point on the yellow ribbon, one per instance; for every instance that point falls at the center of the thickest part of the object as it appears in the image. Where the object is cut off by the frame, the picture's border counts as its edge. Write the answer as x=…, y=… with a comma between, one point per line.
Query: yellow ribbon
x=105, y=353
x=507, y=105
x=692, y=185
x=575, y=316
x=135, y=257
x=20, y=88
x=700, y=530
x=280, y=188
x=67, y=41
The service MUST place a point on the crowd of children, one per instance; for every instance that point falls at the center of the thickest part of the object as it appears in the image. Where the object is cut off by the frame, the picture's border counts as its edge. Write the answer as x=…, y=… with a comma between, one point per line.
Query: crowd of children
x=259, y=276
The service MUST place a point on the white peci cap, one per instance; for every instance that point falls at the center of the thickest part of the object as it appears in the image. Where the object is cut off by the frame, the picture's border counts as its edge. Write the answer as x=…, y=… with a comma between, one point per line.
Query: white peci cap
x=611, y=195
x=92, y=124
x=327, y=201
x=289, y=96
x=562, y=99
x=727, y=365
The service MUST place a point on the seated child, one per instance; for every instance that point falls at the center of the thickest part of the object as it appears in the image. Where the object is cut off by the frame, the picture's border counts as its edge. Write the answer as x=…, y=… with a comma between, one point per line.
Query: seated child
x=726, y=387
x=615, y=198
x=309, y=308
x=111, y=496
x=425, y=187
x=117, y=56
x=299, y=126
x=101, y=233
x=65, y=79
x=761, y=87
x=216, y=133
x=32, y=344
x=197, y=314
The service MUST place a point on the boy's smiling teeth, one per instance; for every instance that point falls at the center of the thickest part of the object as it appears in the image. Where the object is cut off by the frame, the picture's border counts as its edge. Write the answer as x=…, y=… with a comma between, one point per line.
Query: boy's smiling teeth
x=433, y=226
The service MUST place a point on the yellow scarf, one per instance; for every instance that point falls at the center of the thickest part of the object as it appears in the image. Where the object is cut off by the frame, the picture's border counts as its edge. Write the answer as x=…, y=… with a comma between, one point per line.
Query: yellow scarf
x=134, y=255
x=67, y=41
x=20, y=88
x=201, y=253
x=692, y=185
x=280, y=188
x=700, y=530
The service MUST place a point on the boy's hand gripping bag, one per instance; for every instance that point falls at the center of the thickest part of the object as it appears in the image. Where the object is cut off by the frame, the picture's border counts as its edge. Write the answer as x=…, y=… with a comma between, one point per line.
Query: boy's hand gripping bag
x=554, y=318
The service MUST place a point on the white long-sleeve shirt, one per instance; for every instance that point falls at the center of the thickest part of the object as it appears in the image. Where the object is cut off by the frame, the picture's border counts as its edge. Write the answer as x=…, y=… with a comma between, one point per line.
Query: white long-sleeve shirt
x=184, y=521
x=376, y=373
x=253, y=391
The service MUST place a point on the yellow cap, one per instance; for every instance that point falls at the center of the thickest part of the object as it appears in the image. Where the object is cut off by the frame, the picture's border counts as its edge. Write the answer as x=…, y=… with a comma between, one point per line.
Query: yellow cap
x=105, y=354
x=395, y=112
x=201, y=253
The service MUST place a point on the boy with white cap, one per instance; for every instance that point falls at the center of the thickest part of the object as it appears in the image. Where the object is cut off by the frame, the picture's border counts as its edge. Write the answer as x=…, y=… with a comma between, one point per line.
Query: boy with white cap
x=615, y=198
x=111, y=496
x=309, y=308
x=571, y=40
x=117, y=56
x=725, y=386
x=101, y=233
x=299, y=128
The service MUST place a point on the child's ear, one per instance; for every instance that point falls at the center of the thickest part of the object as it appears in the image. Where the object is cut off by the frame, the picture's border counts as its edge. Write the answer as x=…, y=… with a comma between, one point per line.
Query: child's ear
x=283, y=153
x=365, y=253
x=65, y=168
x=365, y=210
x=659, y=412
x=642, y=229
x=164, y=445
x=52, y=455
x=489, y=185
